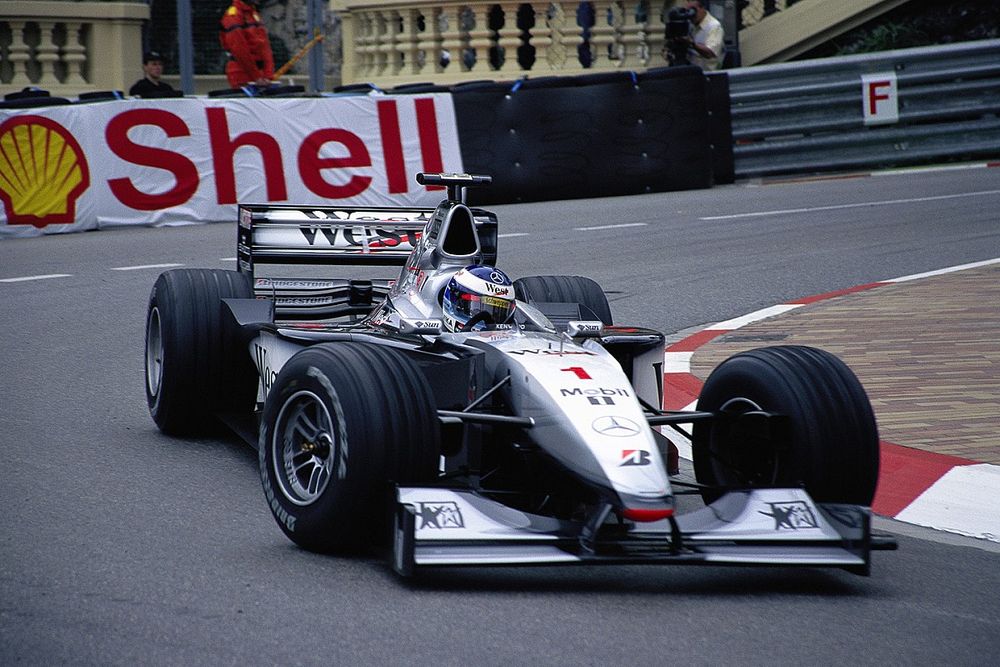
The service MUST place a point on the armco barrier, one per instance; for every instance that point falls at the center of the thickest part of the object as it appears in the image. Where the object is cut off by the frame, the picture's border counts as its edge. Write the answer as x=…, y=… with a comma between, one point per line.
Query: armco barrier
x=587, y=136
x=811, y=115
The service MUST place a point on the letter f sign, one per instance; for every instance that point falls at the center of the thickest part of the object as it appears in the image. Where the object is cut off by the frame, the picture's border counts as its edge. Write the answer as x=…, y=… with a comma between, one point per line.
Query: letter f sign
x=879, y=98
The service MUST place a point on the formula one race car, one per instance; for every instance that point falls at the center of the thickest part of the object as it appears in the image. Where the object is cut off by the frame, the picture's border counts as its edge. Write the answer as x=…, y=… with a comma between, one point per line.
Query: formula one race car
x=526, y=441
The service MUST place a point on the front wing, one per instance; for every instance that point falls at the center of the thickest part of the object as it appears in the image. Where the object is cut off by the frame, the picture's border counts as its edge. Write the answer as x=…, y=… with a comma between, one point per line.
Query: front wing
x=449, y=527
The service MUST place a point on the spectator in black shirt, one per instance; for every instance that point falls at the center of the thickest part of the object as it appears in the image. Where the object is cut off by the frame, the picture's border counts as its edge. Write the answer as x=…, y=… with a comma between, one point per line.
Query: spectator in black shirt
x=150, y=85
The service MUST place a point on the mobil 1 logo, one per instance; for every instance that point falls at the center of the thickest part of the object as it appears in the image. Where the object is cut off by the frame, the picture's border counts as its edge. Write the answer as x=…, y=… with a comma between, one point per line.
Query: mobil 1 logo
x=598, y=396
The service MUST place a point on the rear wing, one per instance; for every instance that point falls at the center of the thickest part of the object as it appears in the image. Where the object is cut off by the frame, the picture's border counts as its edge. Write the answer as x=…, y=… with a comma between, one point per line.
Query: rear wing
x=284, y=234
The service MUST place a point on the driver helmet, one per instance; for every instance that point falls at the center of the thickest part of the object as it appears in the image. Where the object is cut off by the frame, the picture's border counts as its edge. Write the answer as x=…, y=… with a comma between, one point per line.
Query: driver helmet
x=482, y=295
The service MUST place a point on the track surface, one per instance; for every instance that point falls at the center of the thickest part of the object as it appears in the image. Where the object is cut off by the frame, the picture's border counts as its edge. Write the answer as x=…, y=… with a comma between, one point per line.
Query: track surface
x=119, y=545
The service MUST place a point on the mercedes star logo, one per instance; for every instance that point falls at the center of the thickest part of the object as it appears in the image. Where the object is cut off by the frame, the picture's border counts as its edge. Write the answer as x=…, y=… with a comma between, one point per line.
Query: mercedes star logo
x=617, y=427
x=497, y=277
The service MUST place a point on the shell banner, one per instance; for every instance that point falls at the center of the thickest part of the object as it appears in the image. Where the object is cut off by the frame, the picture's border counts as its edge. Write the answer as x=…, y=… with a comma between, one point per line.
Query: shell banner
x=178, y=161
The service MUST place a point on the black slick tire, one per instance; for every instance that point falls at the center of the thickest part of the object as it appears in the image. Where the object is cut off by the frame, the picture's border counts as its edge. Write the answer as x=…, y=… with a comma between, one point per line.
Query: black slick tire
x=195, y=364
x=343, y=423
x=565, y=289
x=828, y=444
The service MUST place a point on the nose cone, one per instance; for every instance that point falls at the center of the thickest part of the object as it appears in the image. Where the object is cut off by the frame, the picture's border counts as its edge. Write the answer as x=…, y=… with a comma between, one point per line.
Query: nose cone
x=646, y=509
x=643, y=515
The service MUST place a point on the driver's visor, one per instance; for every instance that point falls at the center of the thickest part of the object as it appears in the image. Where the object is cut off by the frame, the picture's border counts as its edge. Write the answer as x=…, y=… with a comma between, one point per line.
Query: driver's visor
x=470, y=305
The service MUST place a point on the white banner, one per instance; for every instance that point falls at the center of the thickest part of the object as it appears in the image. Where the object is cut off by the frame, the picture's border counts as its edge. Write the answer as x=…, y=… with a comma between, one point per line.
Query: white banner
x=174, y=161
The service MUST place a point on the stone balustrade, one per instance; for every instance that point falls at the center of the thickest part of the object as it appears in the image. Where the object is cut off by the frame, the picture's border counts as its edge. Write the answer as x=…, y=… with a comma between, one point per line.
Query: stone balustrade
x=70, y=47
x=73, y=47
x=390, y=42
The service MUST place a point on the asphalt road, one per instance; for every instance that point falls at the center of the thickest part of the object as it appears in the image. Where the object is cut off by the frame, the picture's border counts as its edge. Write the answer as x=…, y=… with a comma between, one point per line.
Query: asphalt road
x=119, y=545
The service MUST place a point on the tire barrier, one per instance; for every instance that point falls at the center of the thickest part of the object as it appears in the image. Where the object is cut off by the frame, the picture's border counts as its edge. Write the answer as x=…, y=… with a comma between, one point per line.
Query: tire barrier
x=595, y=135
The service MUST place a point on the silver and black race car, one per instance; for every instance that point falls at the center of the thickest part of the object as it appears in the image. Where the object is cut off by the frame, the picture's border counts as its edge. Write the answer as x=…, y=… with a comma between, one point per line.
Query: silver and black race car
x=538, y=441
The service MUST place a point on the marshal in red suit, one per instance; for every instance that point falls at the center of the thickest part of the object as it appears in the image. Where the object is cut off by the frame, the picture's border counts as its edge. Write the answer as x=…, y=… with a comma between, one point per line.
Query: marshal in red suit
x=245, y=38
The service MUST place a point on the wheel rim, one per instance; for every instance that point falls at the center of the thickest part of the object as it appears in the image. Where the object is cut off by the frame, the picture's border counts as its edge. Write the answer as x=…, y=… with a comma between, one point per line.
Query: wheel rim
x=154, y=353
x=304, y=448
x=740, y=460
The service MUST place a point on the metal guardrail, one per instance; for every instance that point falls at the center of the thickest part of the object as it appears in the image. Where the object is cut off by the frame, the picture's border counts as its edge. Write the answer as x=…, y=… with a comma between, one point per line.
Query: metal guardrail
x=808, y=116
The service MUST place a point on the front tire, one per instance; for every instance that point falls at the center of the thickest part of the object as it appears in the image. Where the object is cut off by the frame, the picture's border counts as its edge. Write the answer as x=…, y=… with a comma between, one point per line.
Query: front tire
x=829, y=443
x=342, y=423
x=195, y=365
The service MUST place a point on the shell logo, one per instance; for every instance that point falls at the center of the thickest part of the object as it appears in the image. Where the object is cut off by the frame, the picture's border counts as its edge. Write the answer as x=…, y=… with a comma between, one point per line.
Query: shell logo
x=43, y=171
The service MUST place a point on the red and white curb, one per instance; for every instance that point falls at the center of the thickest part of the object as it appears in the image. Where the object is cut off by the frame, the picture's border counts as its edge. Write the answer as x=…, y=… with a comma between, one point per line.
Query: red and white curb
x=923, y=488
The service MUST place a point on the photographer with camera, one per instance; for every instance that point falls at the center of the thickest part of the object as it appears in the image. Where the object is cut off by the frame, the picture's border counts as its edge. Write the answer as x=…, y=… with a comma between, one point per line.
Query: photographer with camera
x=694, y=37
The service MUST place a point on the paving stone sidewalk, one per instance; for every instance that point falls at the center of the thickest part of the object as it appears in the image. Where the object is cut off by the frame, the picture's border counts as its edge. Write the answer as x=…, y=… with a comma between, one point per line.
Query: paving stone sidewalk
x=926, y=350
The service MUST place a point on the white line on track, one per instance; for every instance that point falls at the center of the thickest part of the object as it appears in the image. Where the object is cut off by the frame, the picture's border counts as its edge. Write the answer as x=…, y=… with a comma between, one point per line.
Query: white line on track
x=963, y=500
x=512, y=235
x=227, y=259
x=621, y=226
x=27, y=278
x=677, y=362
x=144, y=266
x=907, y=171
x=755, y=316
x=682, y=442
x=950, y=269
x=836, y=207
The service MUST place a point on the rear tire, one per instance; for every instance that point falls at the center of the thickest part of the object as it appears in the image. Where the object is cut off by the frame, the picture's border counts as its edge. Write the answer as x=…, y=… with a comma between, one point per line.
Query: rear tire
x=565, y=289
x=830, y=444
x=196, y=366
x=342, y=424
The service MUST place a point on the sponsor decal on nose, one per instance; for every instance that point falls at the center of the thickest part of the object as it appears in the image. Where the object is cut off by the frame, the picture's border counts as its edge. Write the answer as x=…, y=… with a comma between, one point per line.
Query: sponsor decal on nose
x=634, y=457
x=616, y=427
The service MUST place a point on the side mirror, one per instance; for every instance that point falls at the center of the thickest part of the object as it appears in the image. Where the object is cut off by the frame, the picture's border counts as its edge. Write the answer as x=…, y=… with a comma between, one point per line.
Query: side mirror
x=427, y=327
x=584, y=328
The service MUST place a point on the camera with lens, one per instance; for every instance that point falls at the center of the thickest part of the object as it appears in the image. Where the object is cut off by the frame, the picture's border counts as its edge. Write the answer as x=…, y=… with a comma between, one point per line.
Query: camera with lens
x=678, y=28
x=679, y=20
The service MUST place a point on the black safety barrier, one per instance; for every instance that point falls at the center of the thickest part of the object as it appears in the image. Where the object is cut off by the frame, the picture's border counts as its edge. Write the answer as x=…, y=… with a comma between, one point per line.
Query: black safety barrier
x=720, y=127
x=100, y=96
x=562, y=137
x=587, y=136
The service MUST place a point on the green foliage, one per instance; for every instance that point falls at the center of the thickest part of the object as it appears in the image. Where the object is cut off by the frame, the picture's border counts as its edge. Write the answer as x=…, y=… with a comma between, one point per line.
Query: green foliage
x=917, y=23
x=886, y=37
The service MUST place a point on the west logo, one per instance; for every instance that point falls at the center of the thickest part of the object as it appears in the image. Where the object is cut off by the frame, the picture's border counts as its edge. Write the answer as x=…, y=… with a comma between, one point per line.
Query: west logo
x=499, y=290
x=359, y=236
x=791, y=515
x=445, y=514
x=267, y=375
